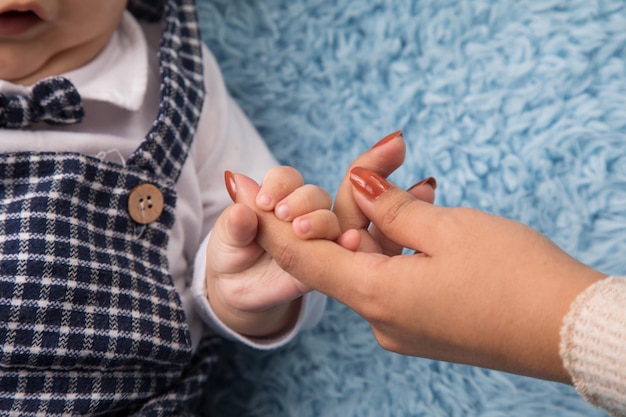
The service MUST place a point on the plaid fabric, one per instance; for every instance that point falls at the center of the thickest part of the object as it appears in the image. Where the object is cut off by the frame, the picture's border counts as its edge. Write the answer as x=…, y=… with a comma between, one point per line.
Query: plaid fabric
x=149, y=11
x=182, y=93
x=90, y=320
x=53, y=100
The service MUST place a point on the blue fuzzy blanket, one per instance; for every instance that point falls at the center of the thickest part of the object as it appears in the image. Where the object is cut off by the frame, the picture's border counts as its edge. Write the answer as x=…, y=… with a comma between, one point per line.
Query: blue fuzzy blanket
x=517, y=107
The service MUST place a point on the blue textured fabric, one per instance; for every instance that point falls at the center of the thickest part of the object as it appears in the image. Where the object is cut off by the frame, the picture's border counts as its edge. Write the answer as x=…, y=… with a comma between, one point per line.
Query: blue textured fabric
x=517, y=107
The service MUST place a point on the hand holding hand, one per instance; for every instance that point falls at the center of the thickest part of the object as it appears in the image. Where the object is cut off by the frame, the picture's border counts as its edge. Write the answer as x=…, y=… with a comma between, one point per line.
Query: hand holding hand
x=481, y=289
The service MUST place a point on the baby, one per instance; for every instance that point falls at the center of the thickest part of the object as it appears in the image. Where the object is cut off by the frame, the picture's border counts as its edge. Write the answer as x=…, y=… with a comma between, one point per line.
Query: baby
x=121, y=258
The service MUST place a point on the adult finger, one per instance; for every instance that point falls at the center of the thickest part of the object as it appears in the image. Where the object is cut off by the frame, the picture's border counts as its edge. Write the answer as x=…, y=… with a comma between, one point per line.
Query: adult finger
x=383, y=158
x=400, y=217
x=424, y=190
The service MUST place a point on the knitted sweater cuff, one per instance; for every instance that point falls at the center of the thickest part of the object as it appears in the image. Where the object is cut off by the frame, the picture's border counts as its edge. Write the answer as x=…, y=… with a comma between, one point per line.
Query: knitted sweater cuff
x=593, y=344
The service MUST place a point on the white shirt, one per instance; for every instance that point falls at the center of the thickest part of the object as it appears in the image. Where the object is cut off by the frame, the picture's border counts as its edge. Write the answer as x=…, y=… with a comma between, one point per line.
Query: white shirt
x=120, y=92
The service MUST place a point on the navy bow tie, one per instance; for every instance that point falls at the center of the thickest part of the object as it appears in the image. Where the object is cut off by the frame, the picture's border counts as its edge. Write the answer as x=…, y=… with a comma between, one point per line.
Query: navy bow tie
x=53, y=100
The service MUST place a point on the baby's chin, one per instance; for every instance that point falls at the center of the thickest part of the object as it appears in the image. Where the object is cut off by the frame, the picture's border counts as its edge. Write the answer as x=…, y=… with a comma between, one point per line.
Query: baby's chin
x=19, y=66
x=27, y=61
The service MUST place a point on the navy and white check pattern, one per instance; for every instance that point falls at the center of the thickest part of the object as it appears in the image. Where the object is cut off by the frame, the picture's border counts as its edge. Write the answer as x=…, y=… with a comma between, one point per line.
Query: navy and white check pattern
x=150, y=11
x=53, y=100
x=90, y=320
x=182, y=93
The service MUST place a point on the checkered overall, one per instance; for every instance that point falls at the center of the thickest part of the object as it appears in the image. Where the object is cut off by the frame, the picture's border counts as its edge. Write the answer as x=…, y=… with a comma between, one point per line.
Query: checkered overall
x=90, y=321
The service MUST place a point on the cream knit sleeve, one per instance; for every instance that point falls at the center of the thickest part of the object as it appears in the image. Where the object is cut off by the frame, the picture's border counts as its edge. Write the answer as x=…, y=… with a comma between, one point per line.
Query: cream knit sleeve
x=593, y=344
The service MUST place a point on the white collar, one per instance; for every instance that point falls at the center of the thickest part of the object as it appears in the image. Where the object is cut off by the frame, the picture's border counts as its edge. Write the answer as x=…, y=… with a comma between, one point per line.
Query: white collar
x=106, y=77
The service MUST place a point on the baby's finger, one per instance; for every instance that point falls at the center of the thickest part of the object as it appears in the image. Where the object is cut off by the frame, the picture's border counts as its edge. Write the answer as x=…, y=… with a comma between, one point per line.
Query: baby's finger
x=303, y=200
x=278, y=183
x=318, y=224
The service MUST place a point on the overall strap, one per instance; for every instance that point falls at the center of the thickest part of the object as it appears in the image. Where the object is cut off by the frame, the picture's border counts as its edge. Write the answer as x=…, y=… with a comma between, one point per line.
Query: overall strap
x=150, y=11
x=165, y=149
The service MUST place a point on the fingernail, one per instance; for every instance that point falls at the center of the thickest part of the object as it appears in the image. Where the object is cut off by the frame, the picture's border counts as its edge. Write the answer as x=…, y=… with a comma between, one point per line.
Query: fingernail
x=264, y=201
x=231, y=185
x=282, y=211
x=369, y=183
x=304, y=226
x=430, y=181
x=388, y=138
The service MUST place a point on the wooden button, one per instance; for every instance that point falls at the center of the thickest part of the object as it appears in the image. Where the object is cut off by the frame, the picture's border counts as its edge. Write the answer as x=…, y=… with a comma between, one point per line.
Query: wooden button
x=145, y=203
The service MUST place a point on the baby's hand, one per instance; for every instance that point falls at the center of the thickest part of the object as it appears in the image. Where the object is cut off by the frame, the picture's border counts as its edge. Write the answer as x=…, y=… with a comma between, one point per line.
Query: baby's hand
x=308, y=207
x=248, y=291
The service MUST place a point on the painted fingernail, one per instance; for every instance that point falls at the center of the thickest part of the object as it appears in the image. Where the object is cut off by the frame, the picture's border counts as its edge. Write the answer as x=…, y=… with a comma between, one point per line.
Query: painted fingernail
x=231, y=185
x=369, y=183
x=430, y=181
x=388, y=138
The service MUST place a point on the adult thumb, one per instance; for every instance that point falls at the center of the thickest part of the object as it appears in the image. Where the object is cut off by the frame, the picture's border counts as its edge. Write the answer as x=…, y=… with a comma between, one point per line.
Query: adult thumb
x=397, y=214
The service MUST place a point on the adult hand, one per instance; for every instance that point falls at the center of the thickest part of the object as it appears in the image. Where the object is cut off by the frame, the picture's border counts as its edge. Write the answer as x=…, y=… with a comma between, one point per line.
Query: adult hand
x=383, y=158
x=482, y=290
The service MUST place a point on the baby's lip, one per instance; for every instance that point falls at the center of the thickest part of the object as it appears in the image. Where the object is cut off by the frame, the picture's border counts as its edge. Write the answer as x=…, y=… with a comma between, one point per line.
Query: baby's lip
x=33, y=8
x=17, y=20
